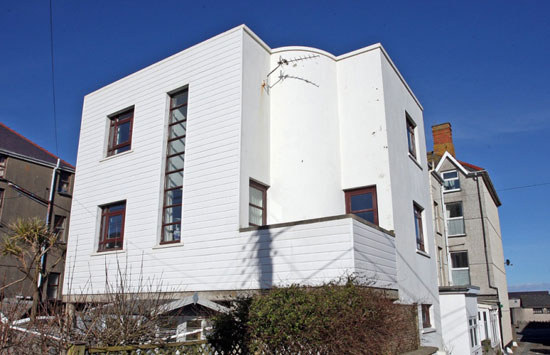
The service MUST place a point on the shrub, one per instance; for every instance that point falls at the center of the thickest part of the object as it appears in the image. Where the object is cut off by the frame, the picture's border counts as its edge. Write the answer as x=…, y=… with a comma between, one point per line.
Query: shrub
x=333, y=318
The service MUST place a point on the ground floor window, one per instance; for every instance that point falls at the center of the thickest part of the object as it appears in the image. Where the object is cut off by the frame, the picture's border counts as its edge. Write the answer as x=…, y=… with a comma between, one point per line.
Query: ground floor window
x=426, y=320
x=472, y=329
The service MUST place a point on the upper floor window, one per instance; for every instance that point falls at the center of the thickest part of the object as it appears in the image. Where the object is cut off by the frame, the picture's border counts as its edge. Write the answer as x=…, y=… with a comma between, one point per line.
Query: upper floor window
x=451, y=181
x=362, y=203
x=53, y=285
x=455, y=219
x=173, y=172
x=59, y=227
x=418, y=227
x=111, y=233
x=1, y=199
x=411, y=140
x=437, y=217
x=257, y=204
x=460, y=269
x=120, y=132
x=64, y=182
x=3, y=159
x=426, y=319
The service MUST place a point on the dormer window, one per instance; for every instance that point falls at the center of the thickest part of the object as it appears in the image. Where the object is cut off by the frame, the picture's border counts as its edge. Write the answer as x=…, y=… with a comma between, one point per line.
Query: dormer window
x=451, y=181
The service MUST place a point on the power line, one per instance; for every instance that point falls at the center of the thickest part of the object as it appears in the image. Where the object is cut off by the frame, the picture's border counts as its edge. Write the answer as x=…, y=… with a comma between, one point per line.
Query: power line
x=53, y=81
x=524, y=186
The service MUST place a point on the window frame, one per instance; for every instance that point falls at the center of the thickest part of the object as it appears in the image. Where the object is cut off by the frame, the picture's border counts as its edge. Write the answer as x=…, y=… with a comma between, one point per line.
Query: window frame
x=114, y=123
x=105, y=215
x=411, y=135
x=462, y=268
x=263, y=188
x=445, y=190
x=64, y=178
x=50, y=285
x=473, y=332
x=449, y=219
x=425, y=310
x=419, y=227
x=2, y=193
x=167, y=172
x=59, y=226
x=3, y=164
x=360, y=191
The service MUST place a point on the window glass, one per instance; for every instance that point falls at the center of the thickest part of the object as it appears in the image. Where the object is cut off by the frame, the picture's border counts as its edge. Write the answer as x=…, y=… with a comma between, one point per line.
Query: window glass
x=123, y=133
x=362, y=203
x=411, y=141
x=454, y=210
x=53, y=285
x=418, y=228
x=120, y=132
x=256, y=197
x=173, y=197
x=2, y=165
x=426, y=321
x=175, y=163
x=112, y=226
x=172, y=214
x=451, y=180
x=171, y=232
x=174, y=179
x=459, y=259
x=176, y=146
x=178, y=114
x=178, y=130
x=256, y=201
x=179, y=99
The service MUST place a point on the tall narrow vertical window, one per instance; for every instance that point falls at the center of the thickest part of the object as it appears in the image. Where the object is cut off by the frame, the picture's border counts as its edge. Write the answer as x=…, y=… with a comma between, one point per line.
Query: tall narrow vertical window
x=173, y=174
x=53, y=285
x=426, y=319
x=1, y=200
x=411, y=126
x=2, y=166
x=59, y=227
x=455, y=219
x=472, y=327
x=460, y=268
x=418, y=227
x=64, y=182
x=257, y=204
x=120, y=132
x=362, y=203
x=437, y=216
x=111, y=234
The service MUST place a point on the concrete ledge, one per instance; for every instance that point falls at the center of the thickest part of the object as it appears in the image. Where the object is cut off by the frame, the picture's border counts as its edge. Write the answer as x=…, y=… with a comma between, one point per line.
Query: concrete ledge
x=318, y=220
x=423, y=350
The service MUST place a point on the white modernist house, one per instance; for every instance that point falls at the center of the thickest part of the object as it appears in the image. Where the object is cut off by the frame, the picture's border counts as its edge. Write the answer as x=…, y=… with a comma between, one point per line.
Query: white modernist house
x=231, y=166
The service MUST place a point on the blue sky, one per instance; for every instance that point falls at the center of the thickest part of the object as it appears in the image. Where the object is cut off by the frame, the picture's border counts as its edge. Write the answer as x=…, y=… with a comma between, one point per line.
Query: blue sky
x=481, y=65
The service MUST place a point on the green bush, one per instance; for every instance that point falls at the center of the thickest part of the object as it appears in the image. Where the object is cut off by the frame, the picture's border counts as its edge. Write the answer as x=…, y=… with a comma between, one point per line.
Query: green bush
x=333, y=318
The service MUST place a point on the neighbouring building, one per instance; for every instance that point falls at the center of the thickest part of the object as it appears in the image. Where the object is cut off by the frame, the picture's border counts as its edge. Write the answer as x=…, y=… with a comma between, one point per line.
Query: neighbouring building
x=471, y=270
x=232, y=167
x=529, y=306
x=33, y=183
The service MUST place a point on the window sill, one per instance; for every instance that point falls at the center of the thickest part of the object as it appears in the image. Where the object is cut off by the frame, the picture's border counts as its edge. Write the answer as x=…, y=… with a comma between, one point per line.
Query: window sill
x=108, y=252
x=448, y=191
x=429, y=330
x=117, y=155
x=456, y=235
x=415, y=161
x=66, y=194
x=423, y=253
x=168, y=245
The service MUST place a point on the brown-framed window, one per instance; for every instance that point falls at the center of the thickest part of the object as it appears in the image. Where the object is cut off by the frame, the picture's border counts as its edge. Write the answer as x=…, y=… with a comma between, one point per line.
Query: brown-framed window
x=411, y=126
x=53, y=285
x=1, y=200
x=111, y=234
x=59, y=227
x=173, y=174
x=64, y=182
x=120, y=132
x=426, y=320
x=257, y=204
x=362, y=203
x=3, y=160
x=418, y=227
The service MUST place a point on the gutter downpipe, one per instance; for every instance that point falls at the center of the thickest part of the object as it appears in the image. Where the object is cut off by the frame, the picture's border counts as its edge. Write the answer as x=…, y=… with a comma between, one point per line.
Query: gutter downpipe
x=476, y=178
x=447, y=252
x=48, y=217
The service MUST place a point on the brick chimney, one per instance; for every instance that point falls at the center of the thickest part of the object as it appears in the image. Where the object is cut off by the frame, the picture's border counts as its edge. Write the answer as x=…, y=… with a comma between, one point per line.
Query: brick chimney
x=443, y=139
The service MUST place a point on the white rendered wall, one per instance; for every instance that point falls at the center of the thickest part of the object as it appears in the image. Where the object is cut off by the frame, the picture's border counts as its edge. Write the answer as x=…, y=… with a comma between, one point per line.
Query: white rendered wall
x=455, y=311
x=363, y=138
x=305, y=156
x=255, y=137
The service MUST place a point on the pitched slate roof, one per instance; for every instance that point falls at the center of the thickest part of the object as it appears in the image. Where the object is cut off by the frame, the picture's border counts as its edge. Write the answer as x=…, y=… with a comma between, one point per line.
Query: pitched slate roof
x=532, y=299
x=15, y=143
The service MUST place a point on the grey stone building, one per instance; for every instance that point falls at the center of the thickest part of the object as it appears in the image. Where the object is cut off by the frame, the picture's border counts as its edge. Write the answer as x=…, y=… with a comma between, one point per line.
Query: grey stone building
x=33, y=183
x=529, y=306
x=468, y=237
